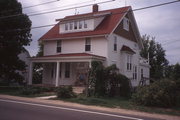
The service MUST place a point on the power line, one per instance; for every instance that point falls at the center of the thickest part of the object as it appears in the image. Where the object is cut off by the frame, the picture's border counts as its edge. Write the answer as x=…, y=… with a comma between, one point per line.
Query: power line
x=40, y=4
x=30, y=6
x=54, y=10
x=62, y=6
x=157, y=5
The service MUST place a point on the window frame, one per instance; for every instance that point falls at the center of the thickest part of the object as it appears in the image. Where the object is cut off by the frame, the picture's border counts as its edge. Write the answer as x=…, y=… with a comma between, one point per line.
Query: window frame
x=66, y=26
x=87, y=44
x=134, y=72
x=75, y=25
x=80, y=24
x=71, y=26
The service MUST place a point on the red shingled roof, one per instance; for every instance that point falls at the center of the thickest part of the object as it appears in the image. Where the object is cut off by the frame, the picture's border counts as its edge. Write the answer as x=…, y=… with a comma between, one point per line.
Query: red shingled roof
x=105, y=27
x=127, y=49
x=72, y=55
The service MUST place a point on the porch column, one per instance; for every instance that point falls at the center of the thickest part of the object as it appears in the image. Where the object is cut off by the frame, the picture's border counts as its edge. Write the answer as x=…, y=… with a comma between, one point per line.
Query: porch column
x=57, y=74
x=30, y=73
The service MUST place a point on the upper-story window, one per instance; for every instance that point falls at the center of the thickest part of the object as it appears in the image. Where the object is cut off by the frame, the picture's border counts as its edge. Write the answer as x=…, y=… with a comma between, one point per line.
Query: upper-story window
x=129, y=62
x=58, y=46
x=115, y=43
x=88, y=44
x=134, y=72
x=75, y=25
x=126, y=24
x=80, y=24
x=66, y=26
x=85, y=24
x=71, y=26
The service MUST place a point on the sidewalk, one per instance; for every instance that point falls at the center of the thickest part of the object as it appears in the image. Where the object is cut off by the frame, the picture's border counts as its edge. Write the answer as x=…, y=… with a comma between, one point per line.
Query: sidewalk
x=114, y=110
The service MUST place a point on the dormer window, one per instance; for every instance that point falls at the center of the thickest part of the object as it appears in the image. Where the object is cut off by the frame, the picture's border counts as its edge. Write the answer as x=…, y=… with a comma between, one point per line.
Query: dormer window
x=85, y=24
x=66, y=26
x=71, y=26
x=75, y=25
x=126, y=24
x=80, y=24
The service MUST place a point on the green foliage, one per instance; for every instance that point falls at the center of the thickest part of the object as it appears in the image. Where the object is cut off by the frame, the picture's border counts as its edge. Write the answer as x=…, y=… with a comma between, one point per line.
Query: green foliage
x=106, y=81
x=157, y=58
x=162, y=93
x=12, y=40
x=65, y=92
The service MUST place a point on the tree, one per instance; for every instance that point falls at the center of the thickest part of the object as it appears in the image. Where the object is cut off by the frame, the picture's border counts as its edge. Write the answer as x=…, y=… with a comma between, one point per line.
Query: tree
x=157, y=58
x=14, y=35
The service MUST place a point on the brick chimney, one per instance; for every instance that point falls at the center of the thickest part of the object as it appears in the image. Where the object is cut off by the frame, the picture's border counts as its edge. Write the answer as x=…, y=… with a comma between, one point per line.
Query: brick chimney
x=95, y=8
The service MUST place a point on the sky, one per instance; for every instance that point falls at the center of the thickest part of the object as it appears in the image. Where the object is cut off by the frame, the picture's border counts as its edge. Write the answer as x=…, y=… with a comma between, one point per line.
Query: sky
x=162, y=22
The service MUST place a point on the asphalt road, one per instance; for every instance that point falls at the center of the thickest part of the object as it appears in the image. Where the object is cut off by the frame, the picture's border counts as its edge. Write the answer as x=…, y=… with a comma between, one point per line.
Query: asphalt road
x=19, y=110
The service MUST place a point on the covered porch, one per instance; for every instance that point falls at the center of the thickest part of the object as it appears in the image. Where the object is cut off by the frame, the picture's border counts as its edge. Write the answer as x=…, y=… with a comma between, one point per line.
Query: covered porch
x=64, y=69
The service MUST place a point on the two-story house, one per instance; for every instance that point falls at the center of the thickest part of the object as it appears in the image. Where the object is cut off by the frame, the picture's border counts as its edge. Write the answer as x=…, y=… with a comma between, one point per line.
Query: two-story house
x=110, y=36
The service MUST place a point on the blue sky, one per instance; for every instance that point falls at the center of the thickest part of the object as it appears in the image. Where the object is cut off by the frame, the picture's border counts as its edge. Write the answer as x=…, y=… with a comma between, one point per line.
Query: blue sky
x=161, y=22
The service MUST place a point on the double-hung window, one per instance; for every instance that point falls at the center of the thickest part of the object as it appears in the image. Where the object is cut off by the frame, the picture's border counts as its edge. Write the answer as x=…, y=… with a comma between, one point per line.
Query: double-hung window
x=115, y=43
x=58, y=46
x=88, y=44
x=129, y=62
x=67, y=70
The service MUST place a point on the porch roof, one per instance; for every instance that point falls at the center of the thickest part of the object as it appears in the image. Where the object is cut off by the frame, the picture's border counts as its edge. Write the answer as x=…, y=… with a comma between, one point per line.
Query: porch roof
x=69, y=57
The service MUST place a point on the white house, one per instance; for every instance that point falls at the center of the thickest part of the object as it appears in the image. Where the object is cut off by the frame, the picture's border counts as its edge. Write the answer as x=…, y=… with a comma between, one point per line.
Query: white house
x=110, y=36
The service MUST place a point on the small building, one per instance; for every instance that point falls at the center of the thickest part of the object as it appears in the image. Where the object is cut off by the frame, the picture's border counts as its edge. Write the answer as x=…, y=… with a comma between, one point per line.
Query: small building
x=110, y=36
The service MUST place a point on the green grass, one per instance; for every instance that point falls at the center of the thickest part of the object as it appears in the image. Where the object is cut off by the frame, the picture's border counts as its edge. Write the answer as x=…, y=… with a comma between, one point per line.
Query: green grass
x=121, y=103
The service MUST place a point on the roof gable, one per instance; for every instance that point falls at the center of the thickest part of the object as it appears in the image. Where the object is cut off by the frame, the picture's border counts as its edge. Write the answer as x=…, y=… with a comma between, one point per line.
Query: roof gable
x=104, y=28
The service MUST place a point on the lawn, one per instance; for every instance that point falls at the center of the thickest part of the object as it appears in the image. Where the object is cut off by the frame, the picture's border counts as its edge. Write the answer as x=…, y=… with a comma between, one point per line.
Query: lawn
x=121, y=103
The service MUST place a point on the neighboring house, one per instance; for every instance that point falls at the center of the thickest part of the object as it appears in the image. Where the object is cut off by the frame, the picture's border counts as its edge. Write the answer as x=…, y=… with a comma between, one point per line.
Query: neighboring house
x=110, y=36
x=24, y=56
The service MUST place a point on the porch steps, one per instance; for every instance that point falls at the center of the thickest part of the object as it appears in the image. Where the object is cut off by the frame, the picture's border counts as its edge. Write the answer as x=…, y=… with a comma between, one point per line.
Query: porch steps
x=78, y=90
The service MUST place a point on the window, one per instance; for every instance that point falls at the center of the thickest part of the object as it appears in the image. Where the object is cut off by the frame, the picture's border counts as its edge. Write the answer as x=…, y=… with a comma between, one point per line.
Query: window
x=141, y=73
x=80, y=24
x=135, y=73
x=58, y=46
x=129, y=62
x=115, y=43
x=85, y=24
x=88, y=44
x=67, y=70
x=126, y=24
x=75, y=25
x=66, y=26
x=71, y=26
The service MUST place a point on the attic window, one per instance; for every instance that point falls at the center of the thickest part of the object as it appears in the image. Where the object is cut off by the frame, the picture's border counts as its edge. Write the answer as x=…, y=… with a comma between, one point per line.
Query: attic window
x=75, y=25
x=126, y=24
x=85, y=24
x=66, y=26
x=71, y=26
x=80, y=24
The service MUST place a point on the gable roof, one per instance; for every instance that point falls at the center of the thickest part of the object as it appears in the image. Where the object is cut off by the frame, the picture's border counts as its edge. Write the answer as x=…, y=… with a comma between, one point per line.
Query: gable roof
x=127, y=49
x=104, y=28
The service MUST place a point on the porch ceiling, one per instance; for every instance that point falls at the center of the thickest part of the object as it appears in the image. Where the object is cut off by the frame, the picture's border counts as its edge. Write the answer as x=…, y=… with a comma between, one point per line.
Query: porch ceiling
x=70, y=57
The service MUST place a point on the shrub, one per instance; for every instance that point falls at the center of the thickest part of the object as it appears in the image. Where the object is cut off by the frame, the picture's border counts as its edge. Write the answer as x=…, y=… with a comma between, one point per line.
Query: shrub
x=65, y=92
x=30, y=90
x=162, y=93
